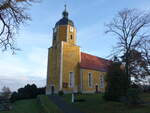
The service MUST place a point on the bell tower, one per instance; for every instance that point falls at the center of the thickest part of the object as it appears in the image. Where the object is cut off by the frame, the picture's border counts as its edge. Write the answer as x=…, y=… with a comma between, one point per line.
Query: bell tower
x=63, y=57
x=64, y=30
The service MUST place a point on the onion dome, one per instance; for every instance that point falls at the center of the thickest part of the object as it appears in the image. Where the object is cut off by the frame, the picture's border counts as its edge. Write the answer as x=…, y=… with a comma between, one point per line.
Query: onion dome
x=65, y=20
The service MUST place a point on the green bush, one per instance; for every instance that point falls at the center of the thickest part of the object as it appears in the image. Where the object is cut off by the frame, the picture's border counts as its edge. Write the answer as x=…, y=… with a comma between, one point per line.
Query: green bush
x=133, y=96
x=27, y=92
x=60, y=93
x=117, y=83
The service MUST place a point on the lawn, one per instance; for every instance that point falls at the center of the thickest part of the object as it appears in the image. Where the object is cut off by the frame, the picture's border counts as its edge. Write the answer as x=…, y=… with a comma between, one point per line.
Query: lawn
x=40, y=105
x=94, y=103
x=25, y=106
x=145, y=97
x=47, y=105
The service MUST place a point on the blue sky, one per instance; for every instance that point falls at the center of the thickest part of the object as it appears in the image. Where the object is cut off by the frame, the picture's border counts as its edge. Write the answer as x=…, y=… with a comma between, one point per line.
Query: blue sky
x=30, y=64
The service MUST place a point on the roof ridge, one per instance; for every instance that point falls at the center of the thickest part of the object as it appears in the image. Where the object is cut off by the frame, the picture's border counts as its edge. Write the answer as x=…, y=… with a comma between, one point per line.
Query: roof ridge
x=96, y=56
x=89, y=61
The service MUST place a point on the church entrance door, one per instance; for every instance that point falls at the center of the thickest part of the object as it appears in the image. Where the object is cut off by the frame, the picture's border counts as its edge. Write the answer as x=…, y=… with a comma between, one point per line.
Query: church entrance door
x=52, y=90
x=96, y=88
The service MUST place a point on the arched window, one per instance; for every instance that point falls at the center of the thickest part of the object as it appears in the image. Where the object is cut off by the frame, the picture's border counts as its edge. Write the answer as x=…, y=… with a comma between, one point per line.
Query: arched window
x=71, y=37
x=90, y=80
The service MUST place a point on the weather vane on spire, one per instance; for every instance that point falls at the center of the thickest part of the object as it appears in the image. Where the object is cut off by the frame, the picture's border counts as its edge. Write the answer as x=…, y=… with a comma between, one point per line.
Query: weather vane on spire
x=65, y=13
x=65, y=5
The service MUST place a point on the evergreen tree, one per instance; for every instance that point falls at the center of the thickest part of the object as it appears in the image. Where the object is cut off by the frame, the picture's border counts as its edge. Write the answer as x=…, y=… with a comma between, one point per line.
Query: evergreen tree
x=117, y=82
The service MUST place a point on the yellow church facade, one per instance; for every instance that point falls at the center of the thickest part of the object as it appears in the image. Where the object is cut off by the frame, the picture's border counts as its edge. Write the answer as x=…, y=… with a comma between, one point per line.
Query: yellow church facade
x=70, y=70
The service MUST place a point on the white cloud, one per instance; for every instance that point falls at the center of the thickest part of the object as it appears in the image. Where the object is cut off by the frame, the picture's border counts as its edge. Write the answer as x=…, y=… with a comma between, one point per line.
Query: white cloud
x=14, y=83
x=38, y=58
x=89, y=32
x=28, y=40
x=144, y=6
x=37, y=54
x=94, y=41
x=30, y=64
x=16, y=71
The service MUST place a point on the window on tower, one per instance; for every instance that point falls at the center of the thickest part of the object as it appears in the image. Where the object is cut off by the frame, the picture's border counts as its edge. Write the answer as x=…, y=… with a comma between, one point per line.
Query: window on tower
x=54, y=37
x=71, y=37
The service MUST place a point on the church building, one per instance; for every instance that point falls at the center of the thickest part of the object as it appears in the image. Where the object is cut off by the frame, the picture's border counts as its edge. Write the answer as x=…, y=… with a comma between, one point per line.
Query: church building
x=70, y=70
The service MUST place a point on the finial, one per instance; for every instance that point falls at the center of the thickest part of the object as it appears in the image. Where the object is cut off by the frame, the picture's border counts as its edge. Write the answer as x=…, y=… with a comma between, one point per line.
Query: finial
x=65, y=2
x=65, y=13
x=65, y=7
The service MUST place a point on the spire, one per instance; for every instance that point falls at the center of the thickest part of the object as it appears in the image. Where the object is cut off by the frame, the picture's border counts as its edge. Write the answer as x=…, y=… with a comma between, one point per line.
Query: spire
x=65, y=20
x=65, y=13
x=65, y=7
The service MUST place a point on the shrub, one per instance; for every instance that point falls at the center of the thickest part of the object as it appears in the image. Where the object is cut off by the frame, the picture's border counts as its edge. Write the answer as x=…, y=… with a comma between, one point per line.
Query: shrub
x=60, y=93
x=117, y=83
x=29, y=91
x=133, y=96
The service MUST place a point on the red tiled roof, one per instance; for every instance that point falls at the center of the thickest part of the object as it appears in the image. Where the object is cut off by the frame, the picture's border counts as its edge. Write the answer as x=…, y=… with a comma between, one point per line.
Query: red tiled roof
x=93, y=62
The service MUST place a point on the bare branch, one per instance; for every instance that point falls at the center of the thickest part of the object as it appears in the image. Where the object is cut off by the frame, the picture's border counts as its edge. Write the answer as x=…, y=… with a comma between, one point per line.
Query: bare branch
x=129, y=27
x=12, y=15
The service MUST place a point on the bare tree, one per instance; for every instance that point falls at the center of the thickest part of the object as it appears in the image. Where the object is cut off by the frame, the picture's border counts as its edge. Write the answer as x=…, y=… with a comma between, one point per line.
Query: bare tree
x=138, y=65
x=145, y=51
x=6, y=92
x=130, y=27
x=12, y=15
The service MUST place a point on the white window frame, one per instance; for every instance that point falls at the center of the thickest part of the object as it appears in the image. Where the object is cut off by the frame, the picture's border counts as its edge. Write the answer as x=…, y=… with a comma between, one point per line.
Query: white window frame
x=101, y=81
x=90, y=86
x=73, y=80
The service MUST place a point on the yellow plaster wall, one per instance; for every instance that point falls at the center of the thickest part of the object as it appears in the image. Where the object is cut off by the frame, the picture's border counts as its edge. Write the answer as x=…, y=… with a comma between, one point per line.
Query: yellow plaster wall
x=73, y=40
x=96, y=80
x=49, y=67
x=61, y=33
x=64, y=34
x=53, y=71
x=56, y=63
x=71, y=59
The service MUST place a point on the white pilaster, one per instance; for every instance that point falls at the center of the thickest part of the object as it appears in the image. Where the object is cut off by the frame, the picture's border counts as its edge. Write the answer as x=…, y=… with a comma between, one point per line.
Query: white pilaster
x=61, y=66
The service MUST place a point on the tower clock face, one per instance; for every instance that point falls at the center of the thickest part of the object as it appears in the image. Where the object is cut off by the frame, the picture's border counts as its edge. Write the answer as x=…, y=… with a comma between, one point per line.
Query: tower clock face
x=71, y=29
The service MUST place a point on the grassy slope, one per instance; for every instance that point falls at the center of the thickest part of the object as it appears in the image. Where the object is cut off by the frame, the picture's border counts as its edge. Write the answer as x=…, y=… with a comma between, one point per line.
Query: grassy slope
x=95, y=104
x=33, y=106
x=48, y=106
x=146, y=97
x=25, y=106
